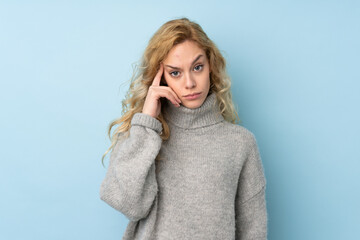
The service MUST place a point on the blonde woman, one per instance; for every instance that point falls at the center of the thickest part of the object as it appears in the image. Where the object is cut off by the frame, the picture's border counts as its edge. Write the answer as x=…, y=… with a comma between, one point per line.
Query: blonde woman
x=180, y=166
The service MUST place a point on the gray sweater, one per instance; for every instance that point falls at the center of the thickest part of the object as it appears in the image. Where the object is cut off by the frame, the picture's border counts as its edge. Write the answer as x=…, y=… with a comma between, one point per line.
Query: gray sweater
x=210, y=183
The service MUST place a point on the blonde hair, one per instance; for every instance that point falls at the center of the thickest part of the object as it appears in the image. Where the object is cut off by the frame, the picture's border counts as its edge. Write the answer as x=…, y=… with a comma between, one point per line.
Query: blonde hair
x=165, y=38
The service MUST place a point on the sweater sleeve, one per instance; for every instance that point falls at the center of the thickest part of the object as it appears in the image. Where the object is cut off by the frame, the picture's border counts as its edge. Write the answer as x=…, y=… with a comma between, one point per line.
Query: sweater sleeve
x=130, y=184
x=250, y=203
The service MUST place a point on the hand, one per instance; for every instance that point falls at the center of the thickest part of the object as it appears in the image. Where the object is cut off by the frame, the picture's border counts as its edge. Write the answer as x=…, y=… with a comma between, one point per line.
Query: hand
x=152, y=105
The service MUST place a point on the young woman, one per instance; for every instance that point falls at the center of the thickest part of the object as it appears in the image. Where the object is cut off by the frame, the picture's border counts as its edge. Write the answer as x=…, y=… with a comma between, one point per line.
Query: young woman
x=180, y=167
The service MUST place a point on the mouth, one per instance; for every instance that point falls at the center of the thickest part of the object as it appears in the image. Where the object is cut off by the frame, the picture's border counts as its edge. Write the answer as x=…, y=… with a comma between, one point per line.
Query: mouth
x=192, y=94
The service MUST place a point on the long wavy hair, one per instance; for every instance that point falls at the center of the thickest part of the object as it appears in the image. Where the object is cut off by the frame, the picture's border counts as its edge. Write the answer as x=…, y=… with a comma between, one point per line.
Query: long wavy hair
x=165, y=38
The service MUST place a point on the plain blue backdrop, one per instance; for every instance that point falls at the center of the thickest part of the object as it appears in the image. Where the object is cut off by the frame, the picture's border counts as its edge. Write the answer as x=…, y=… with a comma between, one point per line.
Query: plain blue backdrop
x=63, y=70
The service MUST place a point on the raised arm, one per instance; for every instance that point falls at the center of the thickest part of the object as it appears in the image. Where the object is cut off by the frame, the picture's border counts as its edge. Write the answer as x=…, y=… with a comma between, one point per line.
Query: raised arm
x=250, y=205
x=130, y=184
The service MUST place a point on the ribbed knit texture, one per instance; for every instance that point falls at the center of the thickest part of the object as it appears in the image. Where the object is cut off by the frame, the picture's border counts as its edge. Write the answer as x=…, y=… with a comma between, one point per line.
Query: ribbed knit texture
x=209, y=183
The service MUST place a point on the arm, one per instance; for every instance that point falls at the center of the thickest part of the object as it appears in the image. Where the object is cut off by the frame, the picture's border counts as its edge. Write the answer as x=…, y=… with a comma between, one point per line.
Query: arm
x=130, y=184
x=250, y=205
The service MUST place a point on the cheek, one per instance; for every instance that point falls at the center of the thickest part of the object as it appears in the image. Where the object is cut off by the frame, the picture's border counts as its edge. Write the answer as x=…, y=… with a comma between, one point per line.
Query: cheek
x=174, y=86
x=170, y=83
x=205, y=78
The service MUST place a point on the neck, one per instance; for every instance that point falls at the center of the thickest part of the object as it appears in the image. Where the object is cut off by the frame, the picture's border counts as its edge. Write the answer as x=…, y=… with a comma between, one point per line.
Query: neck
x=188, y=118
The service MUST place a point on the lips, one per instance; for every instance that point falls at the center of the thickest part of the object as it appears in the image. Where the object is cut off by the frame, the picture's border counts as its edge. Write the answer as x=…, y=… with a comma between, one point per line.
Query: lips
x=191, y=94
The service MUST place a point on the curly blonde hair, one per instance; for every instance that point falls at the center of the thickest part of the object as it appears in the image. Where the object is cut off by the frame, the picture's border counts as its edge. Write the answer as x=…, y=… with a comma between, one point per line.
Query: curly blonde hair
x=165, y=38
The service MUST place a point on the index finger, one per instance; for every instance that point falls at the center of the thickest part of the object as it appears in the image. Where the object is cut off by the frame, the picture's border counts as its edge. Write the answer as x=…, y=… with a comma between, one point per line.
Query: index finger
x=157, y=78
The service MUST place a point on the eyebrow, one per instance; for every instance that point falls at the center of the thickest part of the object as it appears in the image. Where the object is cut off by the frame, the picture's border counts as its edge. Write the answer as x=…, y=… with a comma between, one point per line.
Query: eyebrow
x=197, y=58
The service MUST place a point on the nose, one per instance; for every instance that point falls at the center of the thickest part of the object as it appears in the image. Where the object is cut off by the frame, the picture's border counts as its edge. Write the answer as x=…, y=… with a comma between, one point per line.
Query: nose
x=189, y=81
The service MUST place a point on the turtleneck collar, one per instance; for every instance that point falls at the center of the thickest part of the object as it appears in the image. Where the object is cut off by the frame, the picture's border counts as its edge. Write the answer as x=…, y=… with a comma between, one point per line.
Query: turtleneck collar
x=188, y=118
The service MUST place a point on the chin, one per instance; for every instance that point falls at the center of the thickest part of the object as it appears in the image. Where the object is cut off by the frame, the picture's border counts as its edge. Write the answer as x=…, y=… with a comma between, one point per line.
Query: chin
x=194, y=104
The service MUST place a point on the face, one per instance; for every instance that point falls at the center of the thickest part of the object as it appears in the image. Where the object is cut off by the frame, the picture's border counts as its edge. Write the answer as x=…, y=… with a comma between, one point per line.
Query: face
x=187, y=71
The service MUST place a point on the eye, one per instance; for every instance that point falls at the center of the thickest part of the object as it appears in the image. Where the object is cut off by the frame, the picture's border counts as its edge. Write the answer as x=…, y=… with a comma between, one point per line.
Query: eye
x=198, y=67
x=174, y=73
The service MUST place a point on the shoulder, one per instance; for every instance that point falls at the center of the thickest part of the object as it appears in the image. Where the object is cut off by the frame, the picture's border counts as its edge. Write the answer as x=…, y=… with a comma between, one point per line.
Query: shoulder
x=238, y=131
x=239, y=135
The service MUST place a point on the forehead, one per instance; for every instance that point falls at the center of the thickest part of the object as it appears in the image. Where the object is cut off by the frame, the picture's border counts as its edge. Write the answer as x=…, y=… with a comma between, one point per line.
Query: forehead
x=184, y=52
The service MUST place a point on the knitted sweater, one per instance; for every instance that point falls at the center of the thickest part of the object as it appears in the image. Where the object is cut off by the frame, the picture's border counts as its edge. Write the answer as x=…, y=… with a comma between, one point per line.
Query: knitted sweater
x=209, y=184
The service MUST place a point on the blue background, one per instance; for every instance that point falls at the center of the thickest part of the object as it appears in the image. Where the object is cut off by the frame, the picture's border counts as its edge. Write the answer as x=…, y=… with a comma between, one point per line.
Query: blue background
x=64, y=68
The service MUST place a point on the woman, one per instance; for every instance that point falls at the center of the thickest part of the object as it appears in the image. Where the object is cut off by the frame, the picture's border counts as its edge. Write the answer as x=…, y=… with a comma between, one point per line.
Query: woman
x=180, y=167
